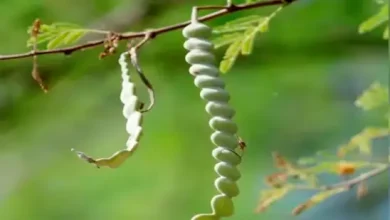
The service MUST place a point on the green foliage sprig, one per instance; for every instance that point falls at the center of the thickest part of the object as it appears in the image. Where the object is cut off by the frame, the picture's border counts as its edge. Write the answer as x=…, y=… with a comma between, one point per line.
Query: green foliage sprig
x=304, y=175
x=378, y=19
x=59, y=34
x=239, y=35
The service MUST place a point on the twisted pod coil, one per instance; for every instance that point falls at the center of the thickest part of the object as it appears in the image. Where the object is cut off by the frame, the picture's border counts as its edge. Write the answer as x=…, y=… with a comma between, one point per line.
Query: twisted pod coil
x=131, y=111
x=203, y=67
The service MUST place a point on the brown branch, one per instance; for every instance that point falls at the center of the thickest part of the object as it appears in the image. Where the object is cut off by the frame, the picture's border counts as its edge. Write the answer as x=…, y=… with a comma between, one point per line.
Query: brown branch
x=231, y=8
x=359, y=179
x=348, y=184
x=340, y=187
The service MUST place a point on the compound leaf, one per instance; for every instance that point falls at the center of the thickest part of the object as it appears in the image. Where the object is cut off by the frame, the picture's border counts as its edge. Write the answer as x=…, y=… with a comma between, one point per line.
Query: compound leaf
x=374, y=21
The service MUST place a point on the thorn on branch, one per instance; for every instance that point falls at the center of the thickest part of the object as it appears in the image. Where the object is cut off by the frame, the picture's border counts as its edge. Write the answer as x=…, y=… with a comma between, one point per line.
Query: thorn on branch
x=362, y=190
x=37, y=77
x=300, y=208
x=35, y=72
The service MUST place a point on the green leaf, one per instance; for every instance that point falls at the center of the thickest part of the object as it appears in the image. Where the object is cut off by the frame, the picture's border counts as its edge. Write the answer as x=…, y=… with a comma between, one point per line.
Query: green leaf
x=305, y=161
x=374, y=97
x=73, y=37
x=386, y=33
x=41, y=39
x=57, y=34
x=65, y=26
x=240, y=34
x=240, y=24
x=268, y=197
x=379, y=18
x=240, y=41
x=226, y=39
x=321, y=196
x=380, y=1
x=362, y=140
x=248, y=20
x=230, y=56
x=322, y=167
x=316, y=199
x=57, y=41
x=247, y=44
x=263, y=26
x=227, y=29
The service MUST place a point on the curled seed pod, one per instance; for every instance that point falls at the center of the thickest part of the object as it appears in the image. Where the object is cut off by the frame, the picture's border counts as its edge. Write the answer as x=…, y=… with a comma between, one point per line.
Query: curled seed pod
x=131, y=111
x=203, y=67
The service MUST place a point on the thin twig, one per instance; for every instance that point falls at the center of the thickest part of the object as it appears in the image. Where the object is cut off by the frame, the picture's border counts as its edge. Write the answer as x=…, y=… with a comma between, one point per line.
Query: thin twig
x=147, y=37
x=339, y=188
x=153, y=32
x=348, y=184
x=361, y=178
x=134, y=61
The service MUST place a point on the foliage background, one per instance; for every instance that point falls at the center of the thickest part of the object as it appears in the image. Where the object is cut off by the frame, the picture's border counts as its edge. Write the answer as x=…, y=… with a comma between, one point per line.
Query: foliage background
x=294, y=95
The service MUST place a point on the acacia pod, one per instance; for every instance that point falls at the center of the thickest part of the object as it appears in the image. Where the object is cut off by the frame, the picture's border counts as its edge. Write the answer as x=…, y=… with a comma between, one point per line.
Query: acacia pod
x=133, y=125
x=203, y=67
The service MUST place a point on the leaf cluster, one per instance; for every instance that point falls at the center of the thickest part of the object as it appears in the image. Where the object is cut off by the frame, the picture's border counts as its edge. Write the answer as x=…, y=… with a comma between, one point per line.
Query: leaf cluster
x=376, y=20
x=239, y=36
x=297, y=177
x=57, y=34
x=304, y=175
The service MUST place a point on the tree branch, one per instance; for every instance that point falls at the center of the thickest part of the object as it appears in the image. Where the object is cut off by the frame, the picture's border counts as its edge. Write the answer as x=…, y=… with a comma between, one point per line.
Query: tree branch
x=339, y=187
x=348, y=184
x=151, y=32
x=361, y=178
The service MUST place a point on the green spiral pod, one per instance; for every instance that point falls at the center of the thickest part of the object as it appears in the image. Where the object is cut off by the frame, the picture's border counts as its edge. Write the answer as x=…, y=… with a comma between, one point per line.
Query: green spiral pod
x=203, y=67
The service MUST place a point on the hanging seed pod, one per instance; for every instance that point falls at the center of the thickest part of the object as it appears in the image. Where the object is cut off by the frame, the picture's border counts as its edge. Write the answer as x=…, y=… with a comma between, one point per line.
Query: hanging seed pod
x=131, y=111
x=203, y=67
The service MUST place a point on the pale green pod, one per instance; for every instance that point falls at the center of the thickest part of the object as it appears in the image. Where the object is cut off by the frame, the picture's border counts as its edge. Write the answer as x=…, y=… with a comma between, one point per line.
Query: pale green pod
x=205, y=81
x=201, y=44
x=226, y=186
x=224, y=139
x=222, y=205
x=223, y=154
x=133, y=125
x=200, y=56
x=215, y=94
x=197, y=30
x=210, y=70
x=227, y=169
x=219, y=108
x=206, y=73
x=205, y=217
x=221, y=123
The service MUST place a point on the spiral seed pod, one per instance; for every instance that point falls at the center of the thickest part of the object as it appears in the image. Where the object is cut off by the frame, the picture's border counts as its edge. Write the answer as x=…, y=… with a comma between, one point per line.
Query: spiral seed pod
x=207, y=78
x=134, y=119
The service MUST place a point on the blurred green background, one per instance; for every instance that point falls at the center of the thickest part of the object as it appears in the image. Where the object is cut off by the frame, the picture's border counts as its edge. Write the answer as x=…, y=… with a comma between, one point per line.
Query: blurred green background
x=294, y=95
